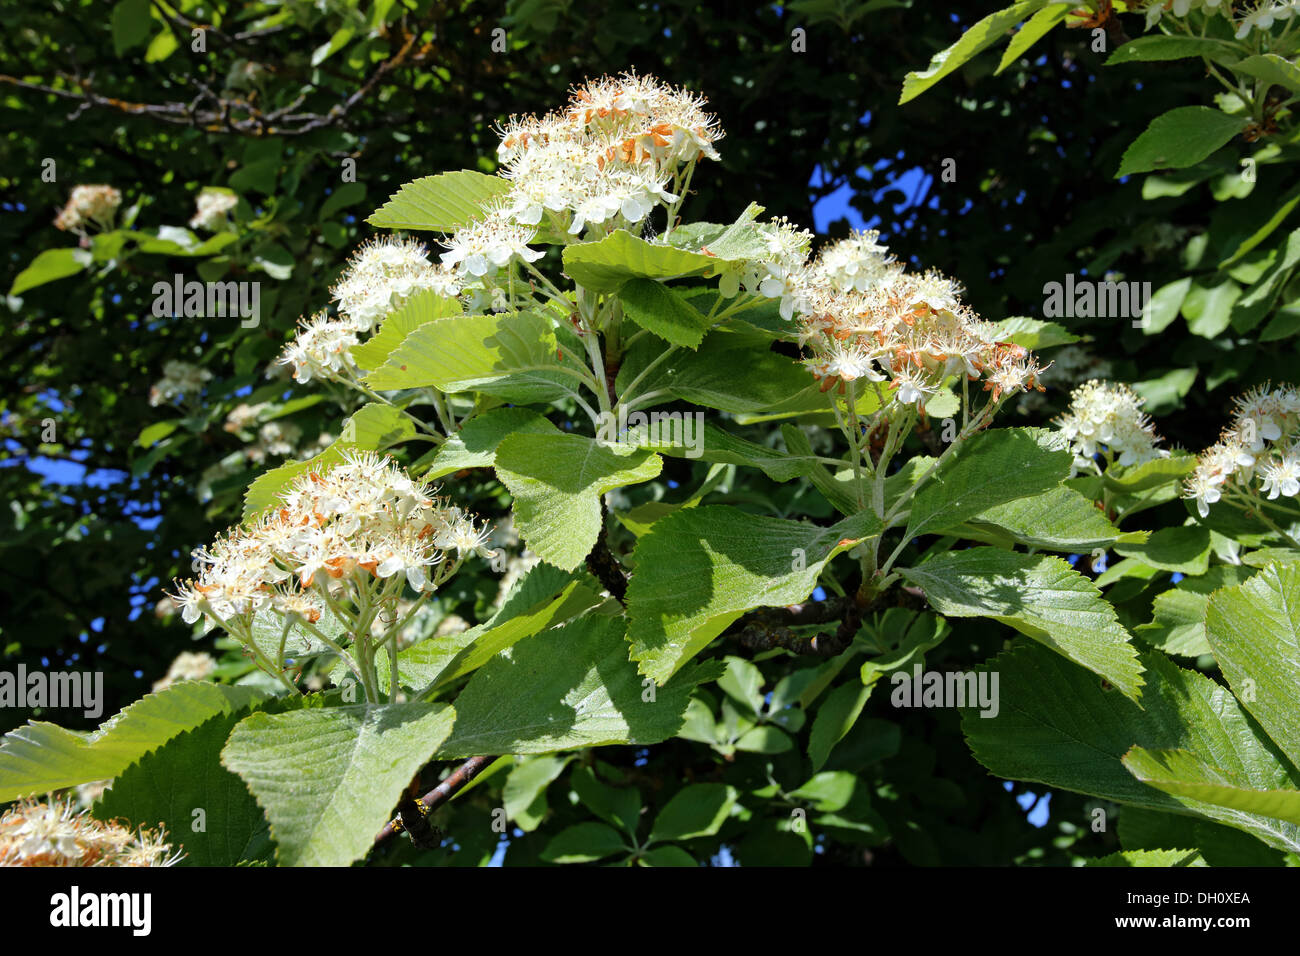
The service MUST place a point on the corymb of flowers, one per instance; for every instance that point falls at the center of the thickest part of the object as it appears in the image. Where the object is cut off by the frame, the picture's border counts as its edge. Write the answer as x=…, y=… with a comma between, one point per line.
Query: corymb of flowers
x=1257, y=457
x=331, y=556
x=620, y=149
x=1107, y=418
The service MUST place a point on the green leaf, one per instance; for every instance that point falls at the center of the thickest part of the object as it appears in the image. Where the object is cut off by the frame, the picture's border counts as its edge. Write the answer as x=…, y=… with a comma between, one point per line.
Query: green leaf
x=667, y=856
x=904, y=636
x=765, y=739
x=1178, y=624
x=528, y=781
x=1041, y=597
x=729, y=375
x=1254, y=629
x=619, y=806
x=1183, y=774
x=168, y=786
x=1150, y=474
x=475, y=444
x=509, y=355
x=1285, y=206
x=640, y=518
x=544, y=596
x=328, y=777
x=1220, y=845
x=340, y=38
x=557, y=482
x=441, y=203
x=1256, y=302
x=713, y=444
x=973, y=42
x=1185, y=549
x=422, y=307
x=1033, y=334
x=696, y=810
x=584, y=843
x=743, y=683
x=1067, y=731
x=1180, y=138
x=700, y=569
x=662, y=311
x=565, y=688
x=348, y=194
x=1272, y=69
x=978, y=475
x=1208, y=309
x=1037, y=27
x=1151, y=49
x=50, y=265
x=39, y=756
x=739, y=241
x=1164, y=394
x=774, y=842
x=827, y=792
x=605, y=265
x=835, y=718
x=374, y=427
x=1058, y=520
x=152, y=434
x=130, y=23
x=162, y=46
x=1164, y=306
x=1160, y=858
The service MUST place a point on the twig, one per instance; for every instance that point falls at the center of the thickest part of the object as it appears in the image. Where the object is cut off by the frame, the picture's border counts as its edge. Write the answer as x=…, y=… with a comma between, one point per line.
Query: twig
x=440, y=794
x=605, y=567
x=767, y=628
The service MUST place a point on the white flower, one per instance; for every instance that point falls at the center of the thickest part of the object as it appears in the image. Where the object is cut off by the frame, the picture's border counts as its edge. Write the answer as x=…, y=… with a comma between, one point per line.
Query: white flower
x=855, y=264
x=211, y=207
x=321, y=349
x=1108, y=416
x=89, y=205
x=489, y=244
x=383, y=274
x=1204, y=491
x=180, y=379
x=329, y=532
x=1282, y=477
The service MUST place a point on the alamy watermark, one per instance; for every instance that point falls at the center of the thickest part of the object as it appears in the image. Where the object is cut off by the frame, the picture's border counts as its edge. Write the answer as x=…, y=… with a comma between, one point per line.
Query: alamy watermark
x=653, y=429
x=77, y=909
x=55, y=690
x=1092, y=299
x=924, y=688
x=197, y=300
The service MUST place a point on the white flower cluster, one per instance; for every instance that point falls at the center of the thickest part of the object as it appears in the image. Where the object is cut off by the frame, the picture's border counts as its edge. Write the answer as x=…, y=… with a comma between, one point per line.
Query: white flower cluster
x=379, y=278
x=89, y=205
x=865, y=317
x=211, y=206
x=1107, y=417
x=1260, y=15
x=604, y=161
x=188, y=665
x=322, y=349
x=179, y=379
x=1261, y=445
x=364, y=519
x=37, y=833
x=382, y=275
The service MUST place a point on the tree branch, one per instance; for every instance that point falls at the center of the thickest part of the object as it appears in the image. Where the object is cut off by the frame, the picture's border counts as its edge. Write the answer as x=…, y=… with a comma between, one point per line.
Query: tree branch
x=439, y=795
x=767, y=628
